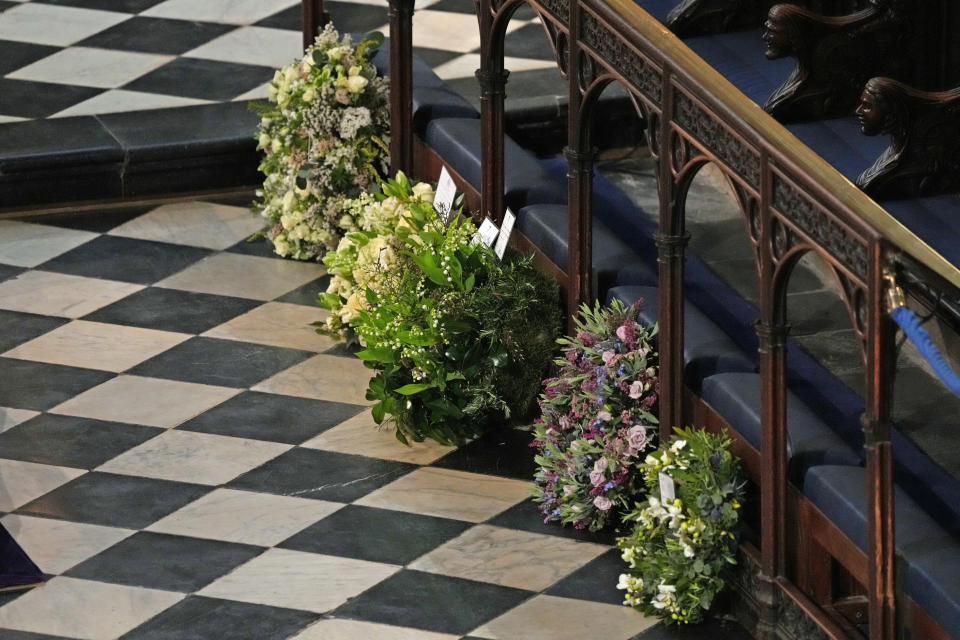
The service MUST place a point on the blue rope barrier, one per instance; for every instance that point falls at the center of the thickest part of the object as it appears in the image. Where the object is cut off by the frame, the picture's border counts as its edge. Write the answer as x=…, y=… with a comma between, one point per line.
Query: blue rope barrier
x=910, y=324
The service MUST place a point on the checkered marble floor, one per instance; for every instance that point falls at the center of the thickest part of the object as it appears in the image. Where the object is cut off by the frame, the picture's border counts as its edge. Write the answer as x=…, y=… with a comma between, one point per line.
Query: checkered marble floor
x=187, y=459
x=84, y=57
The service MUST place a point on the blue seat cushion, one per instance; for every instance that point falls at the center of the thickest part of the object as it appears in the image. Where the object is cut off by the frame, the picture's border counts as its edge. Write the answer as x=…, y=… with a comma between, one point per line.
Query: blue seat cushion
x=935, y=220
x=931, y=555
x=658, y=8
x=546, y=226
x=738, y=56
x=457, y=141
x=707, y=350
x=840, y=143
x=736, y=396
x=432, y=98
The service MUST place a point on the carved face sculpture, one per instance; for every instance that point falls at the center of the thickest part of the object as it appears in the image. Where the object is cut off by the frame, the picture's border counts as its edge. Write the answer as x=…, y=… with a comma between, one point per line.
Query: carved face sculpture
x=871, y=114
x=776, y=37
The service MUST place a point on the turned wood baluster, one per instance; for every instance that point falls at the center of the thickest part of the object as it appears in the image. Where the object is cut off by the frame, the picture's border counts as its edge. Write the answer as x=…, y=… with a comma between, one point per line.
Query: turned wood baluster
x=401, y=85
x=314, y=17
x=879, y=372
x=671, y=241
x=492, y=78
x=772, y=331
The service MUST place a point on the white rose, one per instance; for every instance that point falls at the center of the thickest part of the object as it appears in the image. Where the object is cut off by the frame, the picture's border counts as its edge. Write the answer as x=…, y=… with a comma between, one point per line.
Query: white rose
x=355, y=84
x=423, y=191
x=276, y=146
x=291, y=74
x=265, y=140
x=336, y=53
x=289, y=201
x=351, y=309
x=309, y=95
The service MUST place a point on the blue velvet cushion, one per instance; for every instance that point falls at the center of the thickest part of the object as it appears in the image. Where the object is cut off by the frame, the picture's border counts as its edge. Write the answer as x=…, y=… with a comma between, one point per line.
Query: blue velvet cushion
x=738, y=56
x=931, y=555
x=707, y=350
x=432, y=98
x=936, y=220
x=658, y=8
x=457, y=141
x=840, y=143
x=736, y=396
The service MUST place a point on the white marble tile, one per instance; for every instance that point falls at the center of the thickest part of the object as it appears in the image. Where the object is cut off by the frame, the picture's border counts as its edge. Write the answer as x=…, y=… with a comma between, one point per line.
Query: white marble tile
x=446, y=493
x=361, y=435
x=298, y=580
x=508, y=557
x=253, y=45
x=232, y=274
x=197, y=224
x=201, y=458
x=223, y=11
x=95, y=345
x=6, y=119
x=445, y=30
x=21, y=482
x=334, y=629
x=465, y=66
x=257, y=93
x=58, y=294
x=85, y=609
x=58, y=545
x=54, y=25
x=120, y=100
x=552, y=618
x=26, y=245
x=322, y=377
x=9, y=418
x=87, y=67
x=245, y=517
x=148, y=401
x=278, y=324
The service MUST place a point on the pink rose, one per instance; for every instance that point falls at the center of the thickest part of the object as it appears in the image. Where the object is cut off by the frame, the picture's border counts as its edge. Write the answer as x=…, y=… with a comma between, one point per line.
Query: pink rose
x=608, y=357
x=637, y=437
x=636, y=389
x=601, y=464
x=604, y=415
x=622, y=332
x=603, y=503
x=597, y=478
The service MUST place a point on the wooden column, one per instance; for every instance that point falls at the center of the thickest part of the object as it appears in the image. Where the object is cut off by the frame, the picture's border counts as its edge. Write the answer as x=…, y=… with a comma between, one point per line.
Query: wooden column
x=314, y=17
x=492, y=78
x=671, y=242
x=880, y=368
x=401, y=85
x=772, y=333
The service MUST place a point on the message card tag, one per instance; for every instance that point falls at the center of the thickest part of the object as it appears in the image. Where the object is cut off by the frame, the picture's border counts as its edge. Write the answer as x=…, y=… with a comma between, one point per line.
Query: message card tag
x=487, y=233
x=446, y=192
x=668, y=492
x=505, y=231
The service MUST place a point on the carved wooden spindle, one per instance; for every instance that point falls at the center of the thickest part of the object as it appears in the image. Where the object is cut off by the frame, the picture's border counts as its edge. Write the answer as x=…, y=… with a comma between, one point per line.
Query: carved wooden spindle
x=401, y=85
x=924, y=130
x=314, y=18
x=835, y=56
x=492, y=78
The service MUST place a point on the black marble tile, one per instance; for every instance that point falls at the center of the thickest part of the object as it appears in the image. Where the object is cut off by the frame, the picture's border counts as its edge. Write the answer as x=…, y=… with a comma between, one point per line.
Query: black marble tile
x=502, y=452
x=17, y=328
x=69, y=441
x=162, y=561
x=125, y=6
x=10, y=634
x=126, y=259
x=115, y=500
x=220, y=362
x=27, y=99
x=214, y=618
x=204, y=79
x=529, y=41
x=56, y=143
x=343, y=350
x=40, y=386
x=259, y=246
x=435, y=57
x=156, y=35
x=289, y=18
x=20, y=54
x=324, y=475
x=714, y=629
x=357, y=18
x=596, y=580
x=96, y=221
x=7, y=272
x=306, y=294
x=377, y=535
x=456, y=6
x=444, y=604
x=4, y=5
x=524, y=516
x=173, y=310
x=267, y=416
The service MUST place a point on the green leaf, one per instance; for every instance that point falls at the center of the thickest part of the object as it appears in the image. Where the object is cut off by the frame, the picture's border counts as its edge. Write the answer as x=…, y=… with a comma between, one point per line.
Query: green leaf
x=455, y=375
x=378, y=413
x=411, y=389
x=468, y=284
x=402, y=438
x=377, y=354
x=371, y=296
x=329, y=301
